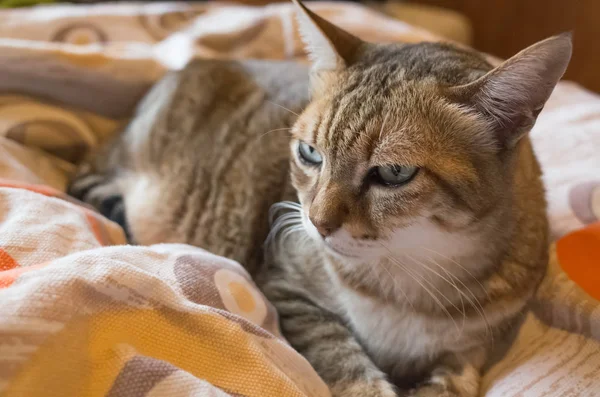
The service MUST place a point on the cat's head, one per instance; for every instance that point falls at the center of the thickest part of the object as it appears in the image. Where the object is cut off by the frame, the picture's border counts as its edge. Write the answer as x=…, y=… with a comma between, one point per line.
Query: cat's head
x=403, y=143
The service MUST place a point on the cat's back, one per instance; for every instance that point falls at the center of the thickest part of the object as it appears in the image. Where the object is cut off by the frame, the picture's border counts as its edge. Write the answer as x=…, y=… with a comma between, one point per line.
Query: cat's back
x=224, y=100
x=208, y=153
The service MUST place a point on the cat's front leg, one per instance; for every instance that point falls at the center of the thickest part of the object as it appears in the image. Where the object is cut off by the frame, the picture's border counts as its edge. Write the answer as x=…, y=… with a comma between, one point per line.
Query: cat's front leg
x=454, y=375
x=328, y=345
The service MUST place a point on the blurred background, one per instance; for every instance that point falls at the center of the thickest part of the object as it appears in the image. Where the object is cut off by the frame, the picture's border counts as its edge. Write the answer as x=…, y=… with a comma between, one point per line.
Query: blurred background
x=504, y=27
x=498, y=27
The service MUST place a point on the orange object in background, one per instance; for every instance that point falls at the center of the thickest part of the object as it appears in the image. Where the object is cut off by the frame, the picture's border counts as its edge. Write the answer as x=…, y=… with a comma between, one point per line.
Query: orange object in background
x=579, y=256
x=6, y=261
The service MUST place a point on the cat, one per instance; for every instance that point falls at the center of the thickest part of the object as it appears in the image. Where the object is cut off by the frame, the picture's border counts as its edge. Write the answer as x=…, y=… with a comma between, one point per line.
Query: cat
x=415, y=231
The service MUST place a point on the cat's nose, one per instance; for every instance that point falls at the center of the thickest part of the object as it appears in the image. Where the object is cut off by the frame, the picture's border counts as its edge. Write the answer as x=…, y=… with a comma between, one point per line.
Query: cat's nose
x=325, y=227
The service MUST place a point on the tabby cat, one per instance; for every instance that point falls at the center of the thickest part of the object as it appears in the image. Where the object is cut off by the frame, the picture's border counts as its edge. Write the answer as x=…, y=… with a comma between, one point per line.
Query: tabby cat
x=416, y=230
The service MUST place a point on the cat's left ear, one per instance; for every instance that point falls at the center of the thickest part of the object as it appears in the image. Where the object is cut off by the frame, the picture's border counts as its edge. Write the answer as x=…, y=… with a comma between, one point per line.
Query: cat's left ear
x=513, y=94
x=330, y=48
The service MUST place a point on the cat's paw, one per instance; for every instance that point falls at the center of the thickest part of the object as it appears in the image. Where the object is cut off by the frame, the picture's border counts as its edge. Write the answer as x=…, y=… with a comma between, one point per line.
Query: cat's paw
x=102, y=193
x=379, y=388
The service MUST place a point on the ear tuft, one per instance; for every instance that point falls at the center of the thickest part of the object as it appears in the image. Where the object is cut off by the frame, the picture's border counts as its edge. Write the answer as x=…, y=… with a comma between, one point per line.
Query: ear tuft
x=330, y=48
x=512, y=95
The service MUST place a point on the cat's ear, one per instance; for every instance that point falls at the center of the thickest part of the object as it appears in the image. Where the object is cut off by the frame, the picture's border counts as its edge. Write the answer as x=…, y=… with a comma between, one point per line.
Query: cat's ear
x=512, y=95
x=330, y=48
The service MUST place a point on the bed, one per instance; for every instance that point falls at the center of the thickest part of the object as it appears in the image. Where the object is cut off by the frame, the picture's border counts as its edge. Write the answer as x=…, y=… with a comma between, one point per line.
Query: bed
x=84, y=314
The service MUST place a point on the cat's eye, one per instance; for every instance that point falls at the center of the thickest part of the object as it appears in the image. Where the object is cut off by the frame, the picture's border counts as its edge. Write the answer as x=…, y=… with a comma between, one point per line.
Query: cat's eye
x=309, y=154
x=394, y=175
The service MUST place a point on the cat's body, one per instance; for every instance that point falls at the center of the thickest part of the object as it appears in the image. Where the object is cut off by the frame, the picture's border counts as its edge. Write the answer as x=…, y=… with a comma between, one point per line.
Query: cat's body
x=437, y=295
x=204, y=157
x=374, y=281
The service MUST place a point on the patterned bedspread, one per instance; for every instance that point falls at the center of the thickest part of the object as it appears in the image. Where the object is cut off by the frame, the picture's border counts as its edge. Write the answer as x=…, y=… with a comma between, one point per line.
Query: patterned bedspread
x=82, y=314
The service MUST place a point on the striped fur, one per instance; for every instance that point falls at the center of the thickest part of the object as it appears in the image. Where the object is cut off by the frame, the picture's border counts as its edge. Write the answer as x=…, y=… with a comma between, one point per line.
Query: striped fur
x=203, y=159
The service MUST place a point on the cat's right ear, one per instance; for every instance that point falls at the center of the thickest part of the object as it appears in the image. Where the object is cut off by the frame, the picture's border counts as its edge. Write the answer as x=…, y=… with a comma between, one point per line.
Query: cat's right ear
x=330, y=48
x=512, y=95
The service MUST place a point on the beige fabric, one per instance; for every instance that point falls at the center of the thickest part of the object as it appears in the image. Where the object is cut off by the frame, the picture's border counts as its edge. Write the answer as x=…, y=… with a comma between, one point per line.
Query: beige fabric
x=544, y=362
x=85, y=320
x=77, y=319
x=441, y=21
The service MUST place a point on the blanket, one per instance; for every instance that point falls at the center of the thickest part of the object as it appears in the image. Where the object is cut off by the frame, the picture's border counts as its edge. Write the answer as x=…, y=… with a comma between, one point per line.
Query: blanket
x=84, y=314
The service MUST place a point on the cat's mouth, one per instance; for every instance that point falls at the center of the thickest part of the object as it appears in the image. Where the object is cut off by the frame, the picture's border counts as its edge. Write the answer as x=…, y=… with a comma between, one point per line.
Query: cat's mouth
x=350, y=248
x=339, y=252
x=341, y=244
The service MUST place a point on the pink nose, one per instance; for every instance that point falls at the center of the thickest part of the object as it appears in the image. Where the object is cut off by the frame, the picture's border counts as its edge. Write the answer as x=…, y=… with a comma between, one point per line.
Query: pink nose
x=325, y=227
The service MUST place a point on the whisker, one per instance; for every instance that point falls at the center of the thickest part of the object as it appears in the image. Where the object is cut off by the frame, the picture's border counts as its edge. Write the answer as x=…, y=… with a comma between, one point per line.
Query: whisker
x=283, y=107
x=472, y=295
x=398, y=286
x=288, y=204
x=280, y=224
x=287, y=217
x=274, y=130
x=432, y=285
x=376, y=275
x=283, y=205
x=290, y=215
x=472, y=299
x=461, y=267
x=293, y=229
x=453, y=284
x=287, y=223
x=435, y=298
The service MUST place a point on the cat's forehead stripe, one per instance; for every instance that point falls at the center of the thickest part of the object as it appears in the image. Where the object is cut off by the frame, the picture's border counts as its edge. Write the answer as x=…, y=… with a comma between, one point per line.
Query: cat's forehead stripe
x=350, y=112
x=341, y=102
